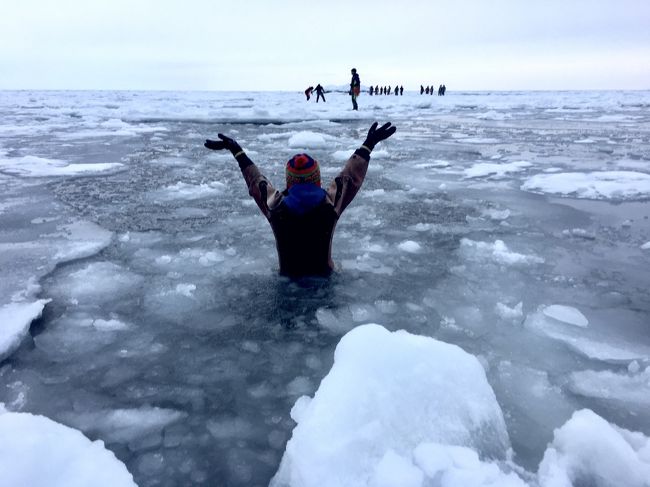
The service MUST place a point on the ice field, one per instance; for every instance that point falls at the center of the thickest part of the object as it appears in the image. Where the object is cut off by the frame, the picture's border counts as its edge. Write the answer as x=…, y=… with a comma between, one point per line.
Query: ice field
x=147, y=339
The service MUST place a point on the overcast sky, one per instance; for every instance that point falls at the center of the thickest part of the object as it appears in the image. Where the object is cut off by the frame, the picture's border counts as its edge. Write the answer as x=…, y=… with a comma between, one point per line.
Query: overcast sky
x=290, y=44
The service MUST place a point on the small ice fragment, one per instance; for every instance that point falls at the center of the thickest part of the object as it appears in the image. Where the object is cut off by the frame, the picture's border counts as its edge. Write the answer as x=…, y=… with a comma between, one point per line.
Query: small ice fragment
x=566, y=314
x=409, y=246
x=507, y=313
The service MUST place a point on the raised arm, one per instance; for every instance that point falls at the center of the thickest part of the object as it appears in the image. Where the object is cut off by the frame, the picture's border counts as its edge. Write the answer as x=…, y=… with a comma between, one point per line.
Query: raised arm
x=346, y=185
x=259, y=187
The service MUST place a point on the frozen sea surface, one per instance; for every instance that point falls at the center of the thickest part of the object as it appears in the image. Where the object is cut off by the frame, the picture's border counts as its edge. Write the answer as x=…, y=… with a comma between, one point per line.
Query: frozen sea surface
x=514, y=225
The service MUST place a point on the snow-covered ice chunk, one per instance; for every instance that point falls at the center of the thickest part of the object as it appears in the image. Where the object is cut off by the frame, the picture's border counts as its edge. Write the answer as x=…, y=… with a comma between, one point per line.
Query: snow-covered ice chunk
x=507, y=313
x=483, y=169
x=497, y=252
x=32, y=166
x=566, y=314
x=617, y=185
x=389, y=392
x=409, y=246
x=344, y=155
x=38, y=452
x=588, y=450
x=186, y=289
x=186, y=191
x=307, y=140
x=645, y=246
x=15, y=319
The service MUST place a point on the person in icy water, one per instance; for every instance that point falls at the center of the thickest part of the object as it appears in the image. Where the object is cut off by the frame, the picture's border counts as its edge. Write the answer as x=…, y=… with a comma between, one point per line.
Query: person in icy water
x=304, y=215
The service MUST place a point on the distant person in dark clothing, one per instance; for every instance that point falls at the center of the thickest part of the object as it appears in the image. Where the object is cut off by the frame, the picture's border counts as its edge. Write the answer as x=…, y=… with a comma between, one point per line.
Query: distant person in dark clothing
x=355, y=88
x=401, y=90
x=444, y=89
x=427, y=90
x=320, y=93
x=308, y=92
x=396, y=90
x=376, y=89
x=440, y=90
x=421, y=89
x=371, y=90
x=303, y=216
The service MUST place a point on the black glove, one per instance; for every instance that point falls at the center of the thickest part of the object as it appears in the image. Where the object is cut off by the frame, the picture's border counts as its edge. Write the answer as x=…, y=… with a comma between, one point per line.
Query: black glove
x=376, y=135
x=224, y=143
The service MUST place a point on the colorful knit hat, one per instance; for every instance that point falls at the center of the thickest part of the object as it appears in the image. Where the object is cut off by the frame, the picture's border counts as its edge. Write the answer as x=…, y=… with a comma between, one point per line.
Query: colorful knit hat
x=302, y=169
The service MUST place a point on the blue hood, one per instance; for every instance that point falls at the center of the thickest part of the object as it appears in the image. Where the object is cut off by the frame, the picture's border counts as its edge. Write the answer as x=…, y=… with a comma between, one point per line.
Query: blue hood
x=303, y=197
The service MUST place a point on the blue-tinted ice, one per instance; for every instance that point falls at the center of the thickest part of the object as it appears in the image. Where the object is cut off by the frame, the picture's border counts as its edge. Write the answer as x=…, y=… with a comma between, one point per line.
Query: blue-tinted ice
x=170, y=336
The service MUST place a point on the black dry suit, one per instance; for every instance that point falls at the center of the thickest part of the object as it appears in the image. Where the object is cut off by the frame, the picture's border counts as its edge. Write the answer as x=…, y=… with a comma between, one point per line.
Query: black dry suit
x=303, y=225
x=303, y=218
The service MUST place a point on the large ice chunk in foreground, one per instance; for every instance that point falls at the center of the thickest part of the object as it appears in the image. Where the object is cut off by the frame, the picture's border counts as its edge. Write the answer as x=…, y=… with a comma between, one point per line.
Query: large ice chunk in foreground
x=588, y=450
x=386, y=394
x=39, y=452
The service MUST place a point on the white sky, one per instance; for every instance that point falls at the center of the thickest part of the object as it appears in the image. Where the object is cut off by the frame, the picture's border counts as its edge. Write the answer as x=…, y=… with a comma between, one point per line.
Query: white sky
x=290, y=44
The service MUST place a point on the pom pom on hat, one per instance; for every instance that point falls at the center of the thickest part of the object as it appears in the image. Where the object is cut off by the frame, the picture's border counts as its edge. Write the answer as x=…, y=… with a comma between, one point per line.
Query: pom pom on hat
x=301, y=169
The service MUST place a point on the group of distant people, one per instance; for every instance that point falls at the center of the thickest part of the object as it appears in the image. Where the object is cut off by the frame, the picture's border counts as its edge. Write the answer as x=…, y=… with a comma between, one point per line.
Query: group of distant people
x=429, y=90
x=386, y=90
x=320, y=93
x=355, y=90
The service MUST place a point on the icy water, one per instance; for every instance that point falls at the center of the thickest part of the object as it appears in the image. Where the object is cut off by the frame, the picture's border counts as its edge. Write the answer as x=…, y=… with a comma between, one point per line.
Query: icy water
x=170, y=336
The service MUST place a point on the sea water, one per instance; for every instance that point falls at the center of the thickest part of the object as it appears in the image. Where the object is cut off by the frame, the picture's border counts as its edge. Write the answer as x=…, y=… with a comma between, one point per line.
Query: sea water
x=514, y=225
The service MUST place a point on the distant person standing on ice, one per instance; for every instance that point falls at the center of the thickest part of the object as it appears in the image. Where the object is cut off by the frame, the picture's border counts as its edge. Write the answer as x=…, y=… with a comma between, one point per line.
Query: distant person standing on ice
x=320, y=93
x=308, y=92
x=304, y=215
x=355, y=88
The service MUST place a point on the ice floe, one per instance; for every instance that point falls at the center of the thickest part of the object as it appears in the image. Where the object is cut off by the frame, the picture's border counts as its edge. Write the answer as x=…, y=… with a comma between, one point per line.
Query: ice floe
x=616, y=185
x=38, y=452
x=33, y=166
